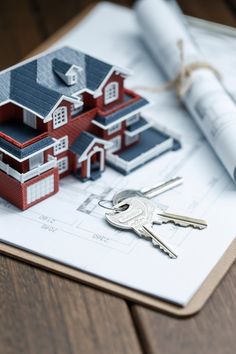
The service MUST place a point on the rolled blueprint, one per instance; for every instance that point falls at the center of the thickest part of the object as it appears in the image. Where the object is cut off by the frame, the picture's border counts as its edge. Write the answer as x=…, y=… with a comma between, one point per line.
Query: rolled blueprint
x=206, y=99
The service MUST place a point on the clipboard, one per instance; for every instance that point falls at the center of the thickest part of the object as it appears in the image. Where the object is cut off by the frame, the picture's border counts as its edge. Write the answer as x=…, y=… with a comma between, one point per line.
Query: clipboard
x=198, y=300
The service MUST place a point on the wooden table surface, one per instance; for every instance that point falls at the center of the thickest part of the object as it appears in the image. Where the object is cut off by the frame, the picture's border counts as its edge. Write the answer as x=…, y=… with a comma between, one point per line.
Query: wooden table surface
x=46, y=314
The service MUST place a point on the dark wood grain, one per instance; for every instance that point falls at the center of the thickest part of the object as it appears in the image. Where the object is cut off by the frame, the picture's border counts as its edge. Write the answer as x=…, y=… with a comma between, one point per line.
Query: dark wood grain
x=19, y=31
x=44, y=313
x=211, y=331
x=217, y=11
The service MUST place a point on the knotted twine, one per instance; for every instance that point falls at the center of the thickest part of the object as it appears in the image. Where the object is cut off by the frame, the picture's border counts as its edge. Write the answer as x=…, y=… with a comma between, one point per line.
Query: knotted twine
x=182, y=82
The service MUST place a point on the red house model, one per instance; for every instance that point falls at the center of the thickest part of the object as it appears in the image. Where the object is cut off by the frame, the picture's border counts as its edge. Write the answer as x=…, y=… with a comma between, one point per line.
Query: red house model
x=67, y=112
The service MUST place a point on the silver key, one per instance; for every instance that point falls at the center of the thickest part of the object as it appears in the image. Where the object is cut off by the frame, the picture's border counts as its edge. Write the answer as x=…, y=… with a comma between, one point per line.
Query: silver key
x=139, y=218
x=158, y=216
x=150, y=192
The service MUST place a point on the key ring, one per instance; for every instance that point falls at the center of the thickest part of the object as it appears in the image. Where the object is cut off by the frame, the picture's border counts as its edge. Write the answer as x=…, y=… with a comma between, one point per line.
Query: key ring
x=101, y=204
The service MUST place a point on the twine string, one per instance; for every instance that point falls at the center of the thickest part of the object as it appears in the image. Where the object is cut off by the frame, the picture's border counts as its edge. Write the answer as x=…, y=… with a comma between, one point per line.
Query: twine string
x=182, y=81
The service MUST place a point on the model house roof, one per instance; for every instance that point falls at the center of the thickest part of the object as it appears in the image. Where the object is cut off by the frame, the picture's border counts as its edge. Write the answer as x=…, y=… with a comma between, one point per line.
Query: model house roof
x=121, y=114
x=36, y=86
x=25, y=153
x=84, y=142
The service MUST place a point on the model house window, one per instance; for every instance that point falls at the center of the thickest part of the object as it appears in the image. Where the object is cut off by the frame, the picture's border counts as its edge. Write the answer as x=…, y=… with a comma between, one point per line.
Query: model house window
x=116, y=143
x=114, y=128
x=111, y=92
x=36, y=160
x=61, y=145
x=132, y=120
x=40, y=189
x=76, y=108
x=131, y=139
x=59, y=117
x=62, y=165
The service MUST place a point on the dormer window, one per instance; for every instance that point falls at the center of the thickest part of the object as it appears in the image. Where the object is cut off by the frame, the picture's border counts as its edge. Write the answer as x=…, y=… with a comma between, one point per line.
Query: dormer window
x=111, y=92
x=72, y=76
x=69, y=73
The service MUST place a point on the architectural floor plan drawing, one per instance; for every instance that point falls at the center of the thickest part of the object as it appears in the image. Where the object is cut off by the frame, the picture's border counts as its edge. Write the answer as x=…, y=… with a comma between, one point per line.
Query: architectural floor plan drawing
x=70, y=227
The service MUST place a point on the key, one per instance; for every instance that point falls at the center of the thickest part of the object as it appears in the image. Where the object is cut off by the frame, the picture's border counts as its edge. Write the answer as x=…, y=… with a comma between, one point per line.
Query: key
x=139, y=218
x=147, y=192
x=158, y=216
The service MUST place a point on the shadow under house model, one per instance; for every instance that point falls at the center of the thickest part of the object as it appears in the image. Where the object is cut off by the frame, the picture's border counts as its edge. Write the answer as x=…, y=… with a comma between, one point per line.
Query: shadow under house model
x=67, y=112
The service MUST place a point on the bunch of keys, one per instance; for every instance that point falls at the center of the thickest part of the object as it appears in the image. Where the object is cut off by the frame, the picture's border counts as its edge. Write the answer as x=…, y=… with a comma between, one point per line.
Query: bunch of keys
x=134, y=210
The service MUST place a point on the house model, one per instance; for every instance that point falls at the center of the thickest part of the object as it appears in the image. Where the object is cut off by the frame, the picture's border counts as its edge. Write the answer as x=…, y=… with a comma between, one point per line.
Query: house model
x=67, y=112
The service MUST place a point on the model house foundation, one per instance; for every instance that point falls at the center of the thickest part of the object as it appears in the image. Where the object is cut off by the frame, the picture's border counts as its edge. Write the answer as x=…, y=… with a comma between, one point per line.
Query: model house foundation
x=67, y=112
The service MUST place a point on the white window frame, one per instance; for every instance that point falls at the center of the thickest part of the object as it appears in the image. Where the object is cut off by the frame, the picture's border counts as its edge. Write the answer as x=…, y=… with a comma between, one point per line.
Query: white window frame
x=111, y=92
x=133, y=119
x=40, y=189
x=117, y=141
x=114, y=128
x=63, y=160
x=61, y=145
x=131, y=139
x=60, y=117
x=36, y=160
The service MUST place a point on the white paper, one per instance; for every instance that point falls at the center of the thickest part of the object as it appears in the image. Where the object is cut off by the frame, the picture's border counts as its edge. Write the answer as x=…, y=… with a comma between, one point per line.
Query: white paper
x=207, y=101
x=69, y=227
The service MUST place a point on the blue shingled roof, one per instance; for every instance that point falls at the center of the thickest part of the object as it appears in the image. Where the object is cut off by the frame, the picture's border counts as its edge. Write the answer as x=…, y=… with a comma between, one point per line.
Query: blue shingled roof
x=111, y=118
x=36, y=86
x=28, y=150
x=82, y=142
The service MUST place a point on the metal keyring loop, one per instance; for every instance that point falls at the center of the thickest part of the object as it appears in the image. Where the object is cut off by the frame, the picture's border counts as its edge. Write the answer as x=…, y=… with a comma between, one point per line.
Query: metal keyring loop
x=101, y=204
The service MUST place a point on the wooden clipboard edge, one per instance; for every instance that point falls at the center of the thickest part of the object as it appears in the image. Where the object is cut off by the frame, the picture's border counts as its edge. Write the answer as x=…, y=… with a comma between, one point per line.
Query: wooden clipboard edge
x=198, y=300
x=194, y=306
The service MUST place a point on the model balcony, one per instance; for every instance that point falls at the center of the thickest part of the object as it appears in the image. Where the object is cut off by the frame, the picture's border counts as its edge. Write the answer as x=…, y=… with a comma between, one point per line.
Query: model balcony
x=19, y=133
x=152, y=143
x=132, y=105
x=137, y=127
x=23, y=177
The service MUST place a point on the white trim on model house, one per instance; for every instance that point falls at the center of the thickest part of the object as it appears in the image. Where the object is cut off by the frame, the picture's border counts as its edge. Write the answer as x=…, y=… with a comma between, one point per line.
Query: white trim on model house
x=111, y=92
x=114, y=128
x=102, y=159
x=131, y=139
x=126, y=116
x=61, y=145
x=116, y=144
x=63, y=165
x=60, y=117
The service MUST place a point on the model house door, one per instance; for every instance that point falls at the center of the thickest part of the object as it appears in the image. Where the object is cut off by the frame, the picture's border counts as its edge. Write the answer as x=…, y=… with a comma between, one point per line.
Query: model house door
x=29, y=119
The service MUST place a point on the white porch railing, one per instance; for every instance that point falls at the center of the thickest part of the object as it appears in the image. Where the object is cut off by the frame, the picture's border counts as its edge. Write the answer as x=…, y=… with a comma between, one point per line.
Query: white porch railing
x=128, y=166
x=23, y=177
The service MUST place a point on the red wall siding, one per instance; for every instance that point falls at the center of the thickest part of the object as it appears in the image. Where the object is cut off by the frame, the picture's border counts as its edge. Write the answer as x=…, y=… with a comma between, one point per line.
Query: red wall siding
x=41, y=126
x=15, y=192
x=10, y=111
x=11, y=190
x=74, y=126
x=89, y=101
x=21, y=167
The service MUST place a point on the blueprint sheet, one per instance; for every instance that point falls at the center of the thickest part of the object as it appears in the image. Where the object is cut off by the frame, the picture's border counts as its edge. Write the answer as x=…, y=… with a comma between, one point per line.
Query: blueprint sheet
x=70, y=227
